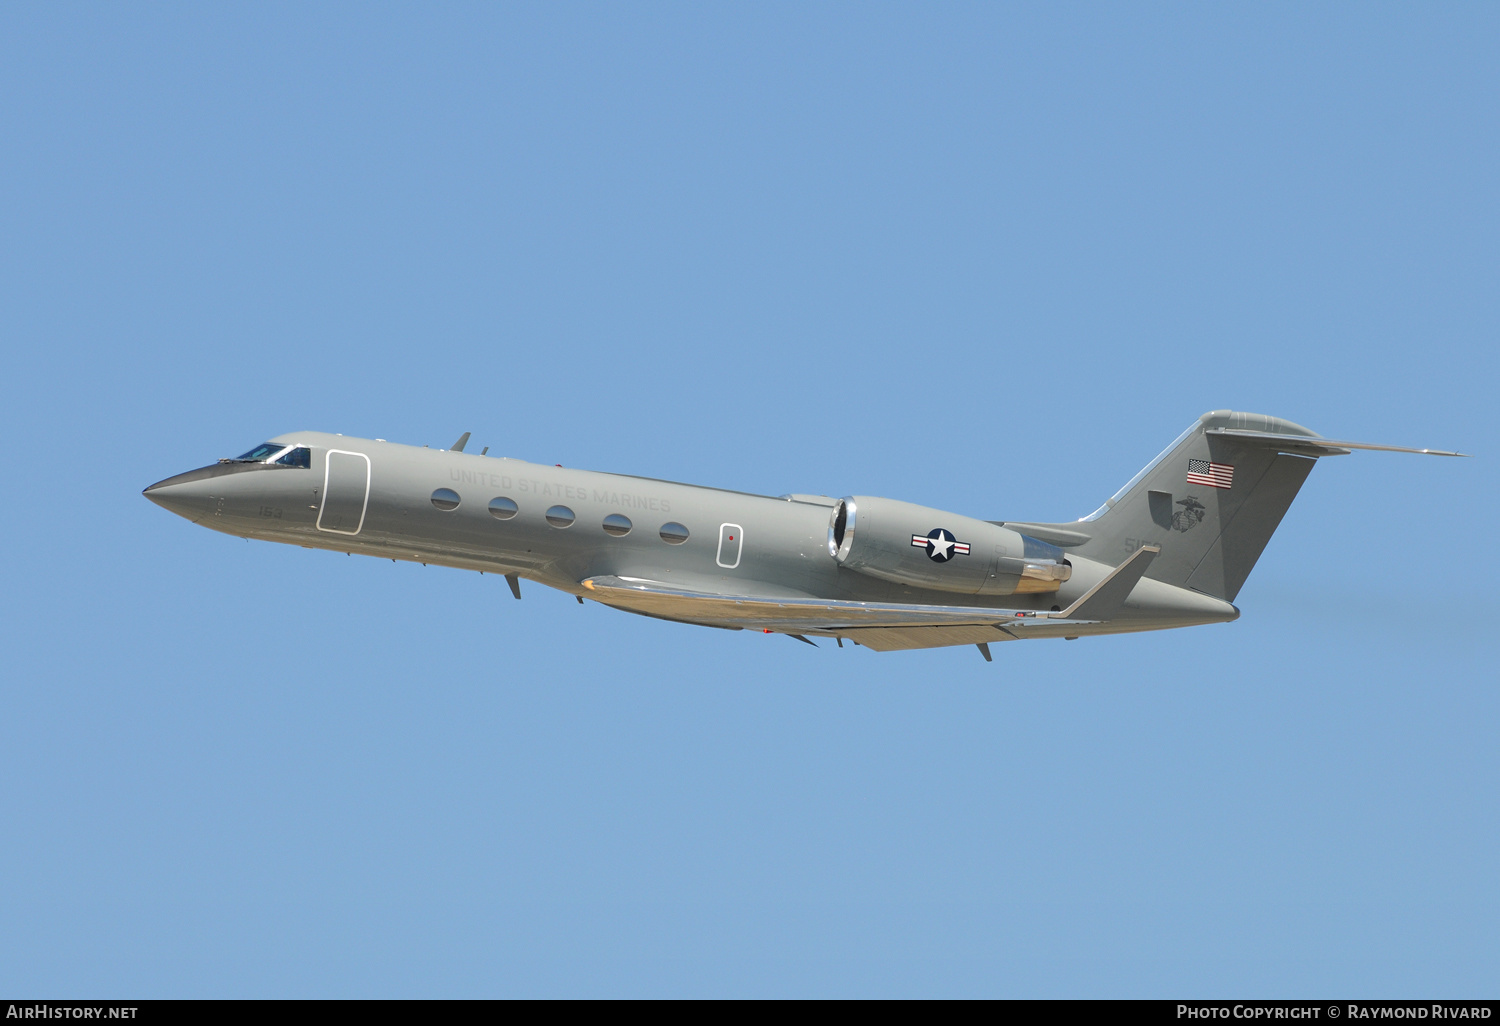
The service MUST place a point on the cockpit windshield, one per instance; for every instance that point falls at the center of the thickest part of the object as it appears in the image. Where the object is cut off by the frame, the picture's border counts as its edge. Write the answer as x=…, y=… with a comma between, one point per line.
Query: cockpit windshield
x=298, y=457
x=261, y=452
x=277, y=454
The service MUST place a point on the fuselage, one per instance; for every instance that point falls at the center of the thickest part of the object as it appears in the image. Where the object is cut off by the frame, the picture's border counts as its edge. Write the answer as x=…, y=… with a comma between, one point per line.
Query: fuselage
x=560, y=527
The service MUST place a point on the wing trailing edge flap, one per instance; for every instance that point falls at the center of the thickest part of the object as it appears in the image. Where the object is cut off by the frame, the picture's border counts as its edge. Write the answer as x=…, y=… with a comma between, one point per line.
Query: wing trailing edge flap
x=897, y=639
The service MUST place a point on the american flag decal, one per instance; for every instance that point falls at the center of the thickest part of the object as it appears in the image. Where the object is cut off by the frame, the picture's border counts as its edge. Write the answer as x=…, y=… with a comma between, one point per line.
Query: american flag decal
x=1214, y=475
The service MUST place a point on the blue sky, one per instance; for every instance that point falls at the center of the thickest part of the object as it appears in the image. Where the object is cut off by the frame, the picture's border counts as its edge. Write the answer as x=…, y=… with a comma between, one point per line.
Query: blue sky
x=982, y=257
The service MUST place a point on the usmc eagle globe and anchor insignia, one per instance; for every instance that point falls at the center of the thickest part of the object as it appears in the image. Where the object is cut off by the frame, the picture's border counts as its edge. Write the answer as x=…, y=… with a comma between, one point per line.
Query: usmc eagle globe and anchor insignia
x=941, y=545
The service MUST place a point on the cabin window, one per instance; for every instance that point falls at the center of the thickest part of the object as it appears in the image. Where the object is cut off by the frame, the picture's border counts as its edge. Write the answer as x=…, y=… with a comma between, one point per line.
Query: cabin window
x=673, y=533
x=617, y=525
x=298, y=457
x=502, y=508
x=445, y=499
x=560, y=516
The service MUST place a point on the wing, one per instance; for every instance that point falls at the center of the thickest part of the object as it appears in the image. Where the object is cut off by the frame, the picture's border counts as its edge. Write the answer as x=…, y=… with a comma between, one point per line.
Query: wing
x=882, y=626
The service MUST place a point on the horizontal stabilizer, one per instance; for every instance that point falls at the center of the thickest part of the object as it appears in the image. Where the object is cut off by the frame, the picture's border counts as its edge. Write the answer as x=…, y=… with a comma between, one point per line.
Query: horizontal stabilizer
x=1318, y=446
x=1103, y=600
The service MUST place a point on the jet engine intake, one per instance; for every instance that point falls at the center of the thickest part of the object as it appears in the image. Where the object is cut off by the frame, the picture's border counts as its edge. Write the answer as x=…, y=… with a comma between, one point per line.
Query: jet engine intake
x=923, y=547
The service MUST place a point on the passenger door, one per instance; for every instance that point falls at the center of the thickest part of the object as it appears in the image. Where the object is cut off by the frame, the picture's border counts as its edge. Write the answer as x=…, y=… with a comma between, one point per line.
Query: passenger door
x=346, y=492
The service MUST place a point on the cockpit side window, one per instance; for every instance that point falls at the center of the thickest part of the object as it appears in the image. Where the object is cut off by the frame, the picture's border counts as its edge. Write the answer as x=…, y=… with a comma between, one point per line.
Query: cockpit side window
x=261, y=452
x=298, y=457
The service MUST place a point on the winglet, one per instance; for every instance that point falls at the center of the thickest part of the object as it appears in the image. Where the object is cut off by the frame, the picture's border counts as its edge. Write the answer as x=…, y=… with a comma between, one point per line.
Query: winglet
x=1103, y=600
x=458, y=446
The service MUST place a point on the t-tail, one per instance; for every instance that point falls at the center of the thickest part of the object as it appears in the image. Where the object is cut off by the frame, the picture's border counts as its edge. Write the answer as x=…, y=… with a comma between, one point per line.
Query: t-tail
x=1210, y=501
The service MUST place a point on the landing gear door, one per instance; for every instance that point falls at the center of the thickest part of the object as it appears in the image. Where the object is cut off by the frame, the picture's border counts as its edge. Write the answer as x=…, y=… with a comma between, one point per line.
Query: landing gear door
x=346, y=492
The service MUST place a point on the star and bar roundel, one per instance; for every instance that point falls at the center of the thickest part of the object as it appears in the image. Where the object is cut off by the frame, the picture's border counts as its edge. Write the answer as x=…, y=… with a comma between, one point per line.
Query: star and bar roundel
x=941, y=545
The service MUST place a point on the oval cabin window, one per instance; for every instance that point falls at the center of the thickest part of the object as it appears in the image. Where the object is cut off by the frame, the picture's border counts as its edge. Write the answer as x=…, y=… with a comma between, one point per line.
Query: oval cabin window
x=560, y=516
x=445, y=498
x=617, y=525
x=674, y=533
x=502, y=508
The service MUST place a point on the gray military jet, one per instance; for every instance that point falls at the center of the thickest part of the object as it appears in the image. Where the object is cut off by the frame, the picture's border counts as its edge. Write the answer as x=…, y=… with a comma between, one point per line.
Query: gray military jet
x=1170, y=549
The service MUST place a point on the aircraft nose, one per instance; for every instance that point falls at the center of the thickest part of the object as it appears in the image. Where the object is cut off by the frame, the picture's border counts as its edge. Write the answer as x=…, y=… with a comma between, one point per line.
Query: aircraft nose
x=185, y=495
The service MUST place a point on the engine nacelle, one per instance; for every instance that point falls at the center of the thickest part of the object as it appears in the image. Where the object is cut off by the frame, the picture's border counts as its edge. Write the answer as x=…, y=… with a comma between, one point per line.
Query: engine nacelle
x=929, y=548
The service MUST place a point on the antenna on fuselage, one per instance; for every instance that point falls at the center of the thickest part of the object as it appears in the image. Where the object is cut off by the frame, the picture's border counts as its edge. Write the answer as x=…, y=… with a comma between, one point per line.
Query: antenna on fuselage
x=458, y=446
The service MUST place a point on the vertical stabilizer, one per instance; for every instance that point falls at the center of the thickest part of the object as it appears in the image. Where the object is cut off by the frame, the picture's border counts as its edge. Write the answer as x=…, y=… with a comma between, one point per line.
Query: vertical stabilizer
x=1210, y=501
